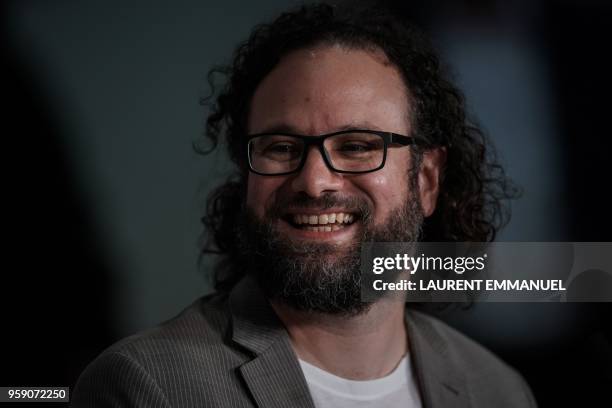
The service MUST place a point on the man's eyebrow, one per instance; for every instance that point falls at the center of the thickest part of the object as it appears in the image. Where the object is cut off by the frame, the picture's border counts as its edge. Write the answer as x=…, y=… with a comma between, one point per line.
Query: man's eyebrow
x=286, y=128
x=359, y=125
x=280, y=128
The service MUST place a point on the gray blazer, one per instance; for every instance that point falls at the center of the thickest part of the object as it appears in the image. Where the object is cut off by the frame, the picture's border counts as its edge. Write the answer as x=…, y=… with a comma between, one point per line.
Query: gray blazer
x=232, y=351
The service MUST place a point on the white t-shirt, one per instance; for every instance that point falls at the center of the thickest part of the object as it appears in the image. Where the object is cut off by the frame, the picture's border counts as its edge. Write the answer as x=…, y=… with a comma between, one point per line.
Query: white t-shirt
x=397, y=389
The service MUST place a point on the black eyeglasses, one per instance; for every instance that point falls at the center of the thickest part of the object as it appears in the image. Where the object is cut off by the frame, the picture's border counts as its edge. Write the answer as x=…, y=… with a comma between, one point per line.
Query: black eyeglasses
x=349, y=151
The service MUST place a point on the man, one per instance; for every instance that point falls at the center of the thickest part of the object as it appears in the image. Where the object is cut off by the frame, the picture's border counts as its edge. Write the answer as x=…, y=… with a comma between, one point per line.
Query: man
x=344, y=131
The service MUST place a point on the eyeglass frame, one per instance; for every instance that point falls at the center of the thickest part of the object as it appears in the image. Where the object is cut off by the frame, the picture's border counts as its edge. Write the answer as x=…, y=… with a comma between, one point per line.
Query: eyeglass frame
x=387, y=137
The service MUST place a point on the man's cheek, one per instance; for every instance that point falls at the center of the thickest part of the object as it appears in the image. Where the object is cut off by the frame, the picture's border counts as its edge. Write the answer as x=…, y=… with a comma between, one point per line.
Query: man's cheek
x=256, y=195
x=262, y=192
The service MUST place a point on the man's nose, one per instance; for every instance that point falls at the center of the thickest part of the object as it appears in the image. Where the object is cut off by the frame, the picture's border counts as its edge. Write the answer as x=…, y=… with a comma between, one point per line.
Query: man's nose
x=316, y=178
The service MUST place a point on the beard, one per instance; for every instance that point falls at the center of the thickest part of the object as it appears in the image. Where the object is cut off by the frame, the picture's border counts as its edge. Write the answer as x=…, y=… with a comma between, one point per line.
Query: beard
x=315, y=276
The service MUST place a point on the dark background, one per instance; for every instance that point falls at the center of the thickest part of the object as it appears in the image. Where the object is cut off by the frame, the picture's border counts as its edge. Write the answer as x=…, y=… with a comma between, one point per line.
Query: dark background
x=103, y=191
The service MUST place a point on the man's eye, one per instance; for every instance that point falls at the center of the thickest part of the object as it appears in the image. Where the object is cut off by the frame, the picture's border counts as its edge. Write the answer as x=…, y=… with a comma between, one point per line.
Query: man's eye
x=356, y=147
x=281, y=148
x=282, y=151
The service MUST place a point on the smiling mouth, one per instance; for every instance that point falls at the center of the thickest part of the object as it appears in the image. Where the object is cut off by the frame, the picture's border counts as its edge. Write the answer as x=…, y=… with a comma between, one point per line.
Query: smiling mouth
x=324, y=222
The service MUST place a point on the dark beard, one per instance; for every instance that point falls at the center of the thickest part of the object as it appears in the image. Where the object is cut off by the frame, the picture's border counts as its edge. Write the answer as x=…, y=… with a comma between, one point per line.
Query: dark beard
x=319, y=277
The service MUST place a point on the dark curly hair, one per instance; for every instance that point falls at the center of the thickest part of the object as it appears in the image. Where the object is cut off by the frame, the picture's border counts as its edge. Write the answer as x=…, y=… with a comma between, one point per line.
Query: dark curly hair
x=471, y=205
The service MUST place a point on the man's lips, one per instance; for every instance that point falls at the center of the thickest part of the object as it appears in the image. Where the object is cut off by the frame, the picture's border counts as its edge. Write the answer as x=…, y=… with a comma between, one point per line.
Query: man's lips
x=335, y=232
x=328, y=220
x=320, y=221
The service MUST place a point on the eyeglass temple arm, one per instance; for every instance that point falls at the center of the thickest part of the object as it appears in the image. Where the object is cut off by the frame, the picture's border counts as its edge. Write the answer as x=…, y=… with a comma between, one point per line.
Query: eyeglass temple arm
x=403, y=140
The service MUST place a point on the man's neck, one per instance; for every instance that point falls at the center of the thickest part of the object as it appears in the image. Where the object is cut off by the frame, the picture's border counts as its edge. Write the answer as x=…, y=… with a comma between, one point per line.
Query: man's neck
x=363, y=347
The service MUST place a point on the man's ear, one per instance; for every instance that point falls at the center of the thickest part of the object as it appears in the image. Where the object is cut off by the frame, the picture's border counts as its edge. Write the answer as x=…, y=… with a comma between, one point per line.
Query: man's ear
x=430, y=173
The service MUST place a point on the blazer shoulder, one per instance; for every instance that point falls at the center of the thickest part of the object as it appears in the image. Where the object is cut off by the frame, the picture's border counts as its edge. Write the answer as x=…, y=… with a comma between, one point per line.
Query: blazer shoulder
x=179, y=357
x=116, y=380
x=485, y=373
x=205, y=322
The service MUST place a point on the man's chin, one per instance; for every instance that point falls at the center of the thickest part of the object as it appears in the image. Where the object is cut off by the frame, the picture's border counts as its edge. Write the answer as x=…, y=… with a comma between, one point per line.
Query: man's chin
x=316, y=253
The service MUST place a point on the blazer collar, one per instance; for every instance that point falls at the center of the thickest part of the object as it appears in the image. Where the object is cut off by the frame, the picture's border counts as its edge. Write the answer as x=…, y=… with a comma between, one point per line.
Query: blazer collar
x=275, y=377
x=441, y=382
x=255, y=324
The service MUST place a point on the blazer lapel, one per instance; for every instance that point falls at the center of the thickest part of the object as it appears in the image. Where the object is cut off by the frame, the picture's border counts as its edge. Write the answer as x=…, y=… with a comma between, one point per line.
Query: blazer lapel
x=274, y=376
x=440, y=382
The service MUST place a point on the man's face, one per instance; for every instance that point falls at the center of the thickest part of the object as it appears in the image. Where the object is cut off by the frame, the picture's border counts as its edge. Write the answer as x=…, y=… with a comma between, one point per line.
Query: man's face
x=324, y=90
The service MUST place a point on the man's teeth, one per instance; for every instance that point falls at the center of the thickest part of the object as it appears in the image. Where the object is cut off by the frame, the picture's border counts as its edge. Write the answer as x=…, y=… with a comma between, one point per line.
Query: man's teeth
x=326, y=228
x=335, y=219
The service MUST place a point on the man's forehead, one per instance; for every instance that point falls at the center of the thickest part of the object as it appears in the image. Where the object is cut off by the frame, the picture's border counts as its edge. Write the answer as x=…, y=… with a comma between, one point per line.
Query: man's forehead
x=328, y=89
x=285, y=127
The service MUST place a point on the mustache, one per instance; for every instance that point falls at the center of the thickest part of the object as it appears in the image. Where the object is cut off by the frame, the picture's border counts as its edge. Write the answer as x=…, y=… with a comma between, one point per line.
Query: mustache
x=355, y=205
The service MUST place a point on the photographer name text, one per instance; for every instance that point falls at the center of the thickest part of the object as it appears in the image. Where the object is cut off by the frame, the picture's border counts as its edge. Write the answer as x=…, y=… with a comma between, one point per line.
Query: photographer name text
x=471, y=285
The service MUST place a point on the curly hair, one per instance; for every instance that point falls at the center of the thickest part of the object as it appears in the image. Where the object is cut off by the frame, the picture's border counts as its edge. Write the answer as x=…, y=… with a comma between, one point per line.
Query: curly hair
x=473, y=188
